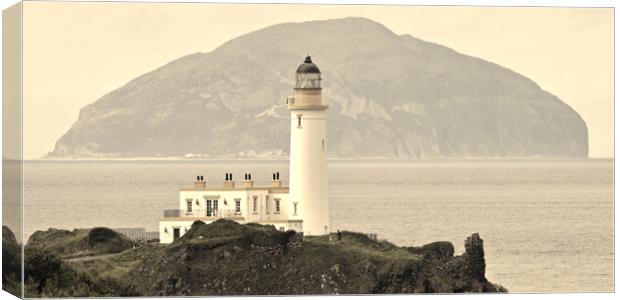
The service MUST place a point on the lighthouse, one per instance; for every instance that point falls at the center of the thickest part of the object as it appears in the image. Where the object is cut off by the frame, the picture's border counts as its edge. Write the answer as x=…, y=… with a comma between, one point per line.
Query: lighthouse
x=302, y=206
x=308, y=165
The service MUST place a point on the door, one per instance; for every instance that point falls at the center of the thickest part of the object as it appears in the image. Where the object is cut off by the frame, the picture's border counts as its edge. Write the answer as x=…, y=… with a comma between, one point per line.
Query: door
x=176, y=233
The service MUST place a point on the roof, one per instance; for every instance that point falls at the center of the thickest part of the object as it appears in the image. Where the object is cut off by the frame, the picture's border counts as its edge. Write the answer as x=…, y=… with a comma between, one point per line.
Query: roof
x=270, y=189
x=308, y=67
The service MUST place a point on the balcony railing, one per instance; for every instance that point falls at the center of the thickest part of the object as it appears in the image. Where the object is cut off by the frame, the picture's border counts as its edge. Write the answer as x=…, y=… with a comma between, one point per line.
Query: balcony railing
x=201, y=213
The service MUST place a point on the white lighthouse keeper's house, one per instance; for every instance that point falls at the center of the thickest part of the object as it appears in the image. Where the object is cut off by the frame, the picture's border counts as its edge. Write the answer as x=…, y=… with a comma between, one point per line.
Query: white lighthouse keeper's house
x=302, y=208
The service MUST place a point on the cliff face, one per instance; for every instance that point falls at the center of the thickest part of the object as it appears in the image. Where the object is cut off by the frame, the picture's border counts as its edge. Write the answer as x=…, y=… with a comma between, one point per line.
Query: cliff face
x=389, y=95
x=225, y=258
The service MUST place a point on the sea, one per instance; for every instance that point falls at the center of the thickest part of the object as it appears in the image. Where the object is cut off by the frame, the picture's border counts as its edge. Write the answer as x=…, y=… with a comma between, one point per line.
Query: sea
x=547, y=225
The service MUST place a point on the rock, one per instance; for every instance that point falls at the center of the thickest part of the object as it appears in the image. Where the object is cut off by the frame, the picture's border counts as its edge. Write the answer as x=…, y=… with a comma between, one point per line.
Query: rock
x=436, y=250
x=227, y=258
x=411, y=98
x=11, y=263
x=259, y=262
x=80, y=242
x=475, y=254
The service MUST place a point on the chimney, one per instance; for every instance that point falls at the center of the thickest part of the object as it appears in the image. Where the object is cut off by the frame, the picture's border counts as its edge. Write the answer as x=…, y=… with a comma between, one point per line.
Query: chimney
x=229, y=183
x=248, y=183
x=200, y=183
x=275, y=182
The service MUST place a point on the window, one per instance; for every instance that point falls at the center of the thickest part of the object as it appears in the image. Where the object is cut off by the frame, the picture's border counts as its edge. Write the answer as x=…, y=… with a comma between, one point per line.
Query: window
x=214, y=212
x=299, y=121
x=237, y=206
x=189, y=206
x=281, y=228
x=277, y=205
x=294, y=208
x=209, y=208
x=255, y=204
x=267, y=205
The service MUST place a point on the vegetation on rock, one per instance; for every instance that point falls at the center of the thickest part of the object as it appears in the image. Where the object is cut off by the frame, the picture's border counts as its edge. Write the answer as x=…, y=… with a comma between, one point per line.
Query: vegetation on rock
x=227, y=258
x=47, y=275
x=11, y=262
x=80, y=242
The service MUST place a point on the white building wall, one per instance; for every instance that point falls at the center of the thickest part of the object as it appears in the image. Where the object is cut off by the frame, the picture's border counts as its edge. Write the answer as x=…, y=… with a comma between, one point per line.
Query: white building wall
x=166, y=229
x=256, y=216
x=226, y=200
x=265, y=212
x=308, y=169
x=266, y=206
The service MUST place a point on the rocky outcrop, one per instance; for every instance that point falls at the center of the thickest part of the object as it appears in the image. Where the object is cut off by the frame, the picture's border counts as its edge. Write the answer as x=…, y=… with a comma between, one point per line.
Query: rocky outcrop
x=11, y=263
x=80, y=242
x=226, y=258
x=475, y=256
x=391, y=96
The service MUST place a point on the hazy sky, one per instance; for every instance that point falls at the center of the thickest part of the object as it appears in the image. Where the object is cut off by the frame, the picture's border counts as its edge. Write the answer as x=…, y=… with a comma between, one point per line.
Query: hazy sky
x=76, y=52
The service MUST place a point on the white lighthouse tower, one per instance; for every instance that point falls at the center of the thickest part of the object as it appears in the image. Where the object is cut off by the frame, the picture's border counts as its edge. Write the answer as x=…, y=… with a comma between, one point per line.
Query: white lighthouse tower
x=308, y=165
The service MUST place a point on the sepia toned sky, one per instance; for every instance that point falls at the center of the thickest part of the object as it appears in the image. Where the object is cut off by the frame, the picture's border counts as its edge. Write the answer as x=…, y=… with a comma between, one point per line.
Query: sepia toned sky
x=76, y=52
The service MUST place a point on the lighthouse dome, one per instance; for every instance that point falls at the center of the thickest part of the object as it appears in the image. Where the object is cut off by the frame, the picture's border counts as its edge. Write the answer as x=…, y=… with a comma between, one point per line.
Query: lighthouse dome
x=308, y=75
x=308, y=67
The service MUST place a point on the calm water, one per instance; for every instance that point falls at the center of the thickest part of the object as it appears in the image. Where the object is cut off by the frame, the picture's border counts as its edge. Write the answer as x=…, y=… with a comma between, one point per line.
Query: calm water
x=547, y=225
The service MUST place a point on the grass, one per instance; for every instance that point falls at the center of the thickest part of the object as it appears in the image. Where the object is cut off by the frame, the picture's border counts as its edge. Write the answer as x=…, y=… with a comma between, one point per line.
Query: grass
x=351, y=247
x=118, y=265
x=80, y=242
x=361, y=244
